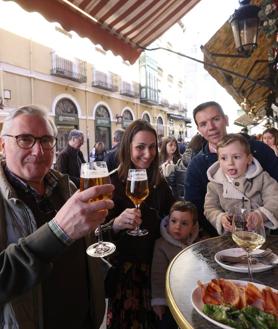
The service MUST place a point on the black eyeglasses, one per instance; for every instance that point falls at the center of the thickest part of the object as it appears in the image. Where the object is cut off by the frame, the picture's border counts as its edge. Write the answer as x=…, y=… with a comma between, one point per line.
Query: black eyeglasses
x=26, y=141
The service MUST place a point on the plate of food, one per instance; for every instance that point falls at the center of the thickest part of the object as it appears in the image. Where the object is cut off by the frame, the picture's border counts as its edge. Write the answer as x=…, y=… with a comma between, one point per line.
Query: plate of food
x=228, y=259
x=236, y=304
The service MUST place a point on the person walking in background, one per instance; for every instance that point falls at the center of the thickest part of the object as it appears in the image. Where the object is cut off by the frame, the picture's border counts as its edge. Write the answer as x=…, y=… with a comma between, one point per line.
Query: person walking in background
x=70, y=158
x=178, y=230
x=46, y=279
x=98, y=152
x=177, y=178
x=270, y=137
x=235, y=176
x=129, y=281
x=169, y=155
x=181, y=145
x=111, y=157
x=211, y=123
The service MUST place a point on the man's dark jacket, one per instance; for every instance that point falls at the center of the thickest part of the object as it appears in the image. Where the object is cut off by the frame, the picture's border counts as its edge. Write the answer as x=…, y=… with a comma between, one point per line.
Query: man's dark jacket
x=69, y=162
x=111, y=158
x=196, y=180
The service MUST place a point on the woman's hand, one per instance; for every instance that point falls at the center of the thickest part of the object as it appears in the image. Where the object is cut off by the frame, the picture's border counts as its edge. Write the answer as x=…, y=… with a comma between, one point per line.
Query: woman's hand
x=129, y=219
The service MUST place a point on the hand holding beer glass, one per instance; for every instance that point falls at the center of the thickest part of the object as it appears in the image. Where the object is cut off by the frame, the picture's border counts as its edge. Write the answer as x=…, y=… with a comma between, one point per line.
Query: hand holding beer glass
x=137, y=190
x=92, y=174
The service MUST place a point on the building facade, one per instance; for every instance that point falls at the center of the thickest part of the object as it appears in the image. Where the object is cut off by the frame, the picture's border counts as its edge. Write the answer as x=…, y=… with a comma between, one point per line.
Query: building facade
x=95, y=92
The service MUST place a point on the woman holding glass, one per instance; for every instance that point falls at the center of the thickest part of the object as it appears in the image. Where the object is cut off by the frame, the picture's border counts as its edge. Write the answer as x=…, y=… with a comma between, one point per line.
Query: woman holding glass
x=128, y=283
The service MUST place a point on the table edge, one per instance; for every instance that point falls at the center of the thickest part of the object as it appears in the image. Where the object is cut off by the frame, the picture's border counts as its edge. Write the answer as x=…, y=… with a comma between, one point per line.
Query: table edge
x=180, y=319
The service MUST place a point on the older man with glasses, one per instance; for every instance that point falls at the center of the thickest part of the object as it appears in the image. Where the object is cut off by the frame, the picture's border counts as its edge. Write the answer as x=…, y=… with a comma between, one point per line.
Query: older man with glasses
x=46, y=279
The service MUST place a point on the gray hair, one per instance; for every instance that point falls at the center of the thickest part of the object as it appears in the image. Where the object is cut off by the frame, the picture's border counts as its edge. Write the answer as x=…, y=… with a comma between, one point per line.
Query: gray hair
x=75, y=134
x=118, y=135
x=29, y=110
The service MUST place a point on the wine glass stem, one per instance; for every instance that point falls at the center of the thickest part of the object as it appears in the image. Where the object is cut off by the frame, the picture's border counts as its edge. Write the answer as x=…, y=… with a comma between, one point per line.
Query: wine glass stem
x=99, y=234
x=249, y=260
x=137, y=206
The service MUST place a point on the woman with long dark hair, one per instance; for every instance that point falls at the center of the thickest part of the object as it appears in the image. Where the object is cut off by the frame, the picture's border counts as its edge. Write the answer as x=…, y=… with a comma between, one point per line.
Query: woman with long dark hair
x=270, y=137
x=169, y=155
x=128, y=282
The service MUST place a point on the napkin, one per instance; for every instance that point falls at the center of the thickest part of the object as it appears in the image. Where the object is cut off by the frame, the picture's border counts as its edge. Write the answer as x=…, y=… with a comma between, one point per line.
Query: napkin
x=235, y=259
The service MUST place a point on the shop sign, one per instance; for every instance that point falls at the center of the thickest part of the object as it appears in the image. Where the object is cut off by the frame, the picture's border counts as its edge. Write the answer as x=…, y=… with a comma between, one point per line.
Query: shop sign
x=104, y=122
x=66, y=119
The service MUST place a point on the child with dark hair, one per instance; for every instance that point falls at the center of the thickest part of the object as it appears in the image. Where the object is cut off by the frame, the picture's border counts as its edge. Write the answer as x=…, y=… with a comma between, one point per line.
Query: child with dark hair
x=178, y=230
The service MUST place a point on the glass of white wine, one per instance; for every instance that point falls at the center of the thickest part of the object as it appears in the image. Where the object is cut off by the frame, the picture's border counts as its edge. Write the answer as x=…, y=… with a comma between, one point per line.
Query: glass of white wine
x=137, y=190
x=248, y=233
x=92, y=174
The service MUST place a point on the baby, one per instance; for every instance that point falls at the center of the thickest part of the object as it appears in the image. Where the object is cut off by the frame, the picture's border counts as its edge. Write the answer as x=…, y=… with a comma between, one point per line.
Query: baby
x=238, y=176
x=178, y=230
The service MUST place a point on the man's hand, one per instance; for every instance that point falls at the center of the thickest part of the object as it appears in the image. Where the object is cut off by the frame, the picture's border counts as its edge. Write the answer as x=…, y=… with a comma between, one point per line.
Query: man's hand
x=79, y=216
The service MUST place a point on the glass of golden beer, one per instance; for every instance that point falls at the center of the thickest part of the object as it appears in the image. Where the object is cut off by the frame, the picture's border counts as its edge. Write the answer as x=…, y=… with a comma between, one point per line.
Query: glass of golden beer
x=92, y=174
x=137, y=190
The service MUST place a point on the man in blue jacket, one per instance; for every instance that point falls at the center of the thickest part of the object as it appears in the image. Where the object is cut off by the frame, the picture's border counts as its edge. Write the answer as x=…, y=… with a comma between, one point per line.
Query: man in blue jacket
x=211, y=123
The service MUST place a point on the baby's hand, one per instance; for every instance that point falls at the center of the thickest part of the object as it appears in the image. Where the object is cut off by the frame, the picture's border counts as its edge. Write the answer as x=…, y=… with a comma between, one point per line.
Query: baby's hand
x=159, y=310
x=253, y=219
x=225, y=221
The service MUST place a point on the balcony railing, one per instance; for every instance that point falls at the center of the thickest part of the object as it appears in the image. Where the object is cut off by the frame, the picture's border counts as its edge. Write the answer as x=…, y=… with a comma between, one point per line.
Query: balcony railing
x=164, y=102
x=103, y=81
x=149, y=95
x=65, y=68
x=127, y=89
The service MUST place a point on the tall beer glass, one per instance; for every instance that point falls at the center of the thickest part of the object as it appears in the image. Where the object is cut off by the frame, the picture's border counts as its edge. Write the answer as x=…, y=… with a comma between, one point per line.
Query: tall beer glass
x=92, y=174
x=137, y=190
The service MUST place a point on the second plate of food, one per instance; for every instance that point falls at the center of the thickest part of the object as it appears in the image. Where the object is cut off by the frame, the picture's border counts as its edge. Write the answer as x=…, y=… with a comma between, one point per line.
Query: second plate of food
x=240, y=267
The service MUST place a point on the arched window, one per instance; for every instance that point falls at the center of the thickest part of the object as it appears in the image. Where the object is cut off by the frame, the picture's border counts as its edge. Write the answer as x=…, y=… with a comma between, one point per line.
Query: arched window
x=160, y=127
x=103, y=126
x=146, y=117
x=127, y=118
x=66, y=119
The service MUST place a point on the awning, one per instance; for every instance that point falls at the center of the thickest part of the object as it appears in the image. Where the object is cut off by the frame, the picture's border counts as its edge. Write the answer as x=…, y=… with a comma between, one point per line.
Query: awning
x=253, y=93
x=122, y=26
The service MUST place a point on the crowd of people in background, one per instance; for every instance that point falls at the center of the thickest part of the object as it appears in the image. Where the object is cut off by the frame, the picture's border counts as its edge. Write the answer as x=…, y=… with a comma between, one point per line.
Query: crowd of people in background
x=48, y=222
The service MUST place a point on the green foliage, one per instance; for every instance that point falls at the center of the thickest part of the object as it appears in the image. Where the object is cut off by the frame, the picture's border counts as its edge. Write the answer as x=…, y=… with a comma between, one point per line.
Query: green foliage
x=247, y=318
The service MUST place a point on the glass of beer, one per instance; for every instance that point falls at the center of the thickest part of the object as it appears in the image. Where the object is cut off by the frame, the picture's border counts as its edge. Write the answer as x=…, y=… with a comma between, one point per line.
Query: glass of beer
x=137, y=190
x=248, y=232
x=92, y=174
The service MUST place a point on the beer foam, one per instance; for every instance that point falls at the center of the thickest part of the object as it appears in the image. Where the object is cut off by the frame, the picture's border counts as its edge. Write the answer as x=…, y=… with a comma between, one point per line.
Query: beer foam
x=88, y=173
x=137, y=176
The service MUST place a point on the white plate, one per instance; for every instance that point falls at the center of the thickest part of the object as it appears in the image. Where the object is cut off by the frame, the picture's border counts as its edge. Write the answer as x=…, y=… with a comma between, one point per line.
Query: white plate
x=196, y=300
x=242, y=268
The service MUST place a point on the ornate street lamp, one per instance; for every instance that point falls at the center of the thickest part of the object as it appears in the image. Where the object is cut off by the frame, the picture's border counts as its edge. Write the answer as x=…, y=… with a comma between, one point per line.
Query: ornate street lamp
x=245, y=25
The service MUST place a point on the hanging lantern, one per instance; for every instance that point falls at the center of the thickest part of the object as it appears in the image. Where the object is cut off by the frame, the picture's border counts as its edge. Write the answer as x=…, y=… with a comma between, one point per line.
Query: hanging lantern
x=245, y=24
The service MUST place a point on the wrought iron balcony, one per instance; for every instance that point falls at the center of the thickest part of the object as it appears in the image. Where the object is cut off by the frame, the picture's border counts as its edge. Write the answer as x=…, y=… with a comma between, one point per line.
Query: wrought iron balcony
x=164, y=102
x=149, y=95
x=64, y=68
x=127, y=89
x=103, y=81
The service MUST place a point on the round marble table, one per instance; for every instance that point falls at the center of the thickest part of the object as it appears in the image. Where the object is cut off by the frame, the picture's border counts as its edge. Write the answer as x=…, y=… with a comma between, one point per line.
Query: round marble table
x=197, y=263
